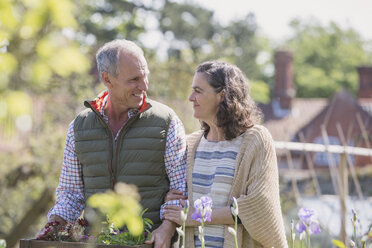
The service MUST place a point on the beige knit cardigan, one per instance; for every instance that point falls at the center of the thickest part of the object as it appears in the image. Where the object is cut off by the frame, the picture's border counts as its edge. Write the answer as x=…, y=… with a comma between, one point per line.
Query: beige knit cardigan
x=256, y=188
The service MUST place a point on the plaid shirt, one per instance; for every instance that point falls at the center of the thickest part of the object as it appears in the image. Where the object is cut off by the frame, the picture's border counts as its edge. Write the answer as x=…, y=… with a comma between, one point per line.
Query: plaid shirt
x=70, y=191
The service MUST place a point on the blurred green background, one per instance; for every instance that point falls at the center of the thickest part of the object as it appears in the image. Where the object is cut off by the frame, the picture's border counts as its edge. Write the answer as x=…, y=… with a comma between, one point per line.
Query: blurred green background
x=47, y=69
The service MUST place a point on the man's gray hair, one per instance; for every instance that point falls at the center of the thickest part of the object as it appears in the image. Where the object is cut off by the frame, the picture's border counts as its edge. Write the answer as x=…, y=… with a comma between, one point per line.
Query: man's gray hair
x=108, y=55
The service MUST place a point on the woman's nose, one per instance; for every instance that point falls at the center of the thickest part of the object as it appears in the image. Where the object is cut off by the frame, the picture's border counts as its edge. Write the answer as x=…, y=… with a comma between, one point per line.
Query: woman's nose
x=191, y=97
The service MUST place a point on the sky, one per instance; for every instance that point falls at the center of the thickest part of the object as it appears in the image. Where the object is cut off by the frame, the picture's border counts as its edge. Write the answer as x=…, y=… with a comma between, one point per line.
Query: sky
x=273, y=16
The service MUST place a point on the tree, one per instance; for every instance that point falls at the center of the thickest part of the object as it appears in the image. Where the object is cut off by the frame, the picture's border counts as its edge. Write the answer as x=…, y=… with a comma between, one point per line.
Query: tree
x=187, y=26
x=41, y=66
x=325, y=58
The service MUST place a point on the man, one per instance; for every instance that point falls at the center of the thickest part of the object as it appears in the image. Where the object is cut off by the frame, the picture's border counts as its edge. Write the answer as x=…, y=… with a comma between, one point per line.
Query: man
x=122, y=137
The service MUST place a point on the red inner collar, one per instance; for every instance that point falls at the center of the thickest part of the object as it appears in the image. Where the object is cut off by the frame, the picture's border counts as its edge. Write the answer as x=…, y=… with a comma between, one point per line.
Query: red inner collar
x=98, y=102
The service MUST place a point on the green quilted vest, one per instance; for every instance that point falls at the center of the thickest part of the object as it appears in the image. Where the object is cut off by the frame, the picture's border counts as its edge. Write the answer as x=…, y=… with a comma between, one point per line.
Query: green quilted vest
x=136, y=158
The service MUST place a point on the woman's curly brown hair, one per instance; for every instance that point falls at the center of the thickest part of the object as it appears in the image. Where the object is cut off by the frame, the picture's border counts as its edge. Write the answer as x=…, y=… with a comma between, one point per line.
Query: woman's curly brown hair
x=237, y=112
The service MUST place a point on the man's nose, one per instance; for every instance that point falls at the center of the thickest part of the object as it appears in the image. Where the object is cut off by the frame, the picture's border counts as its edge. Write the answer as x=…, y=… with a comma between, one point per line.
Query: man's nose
x=144, y=84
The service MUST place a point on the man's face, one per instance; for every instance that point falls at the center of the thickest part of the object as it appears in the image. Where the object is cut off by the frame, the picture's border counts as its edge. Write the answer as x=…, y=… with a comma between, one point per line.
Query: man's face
x=128, y=89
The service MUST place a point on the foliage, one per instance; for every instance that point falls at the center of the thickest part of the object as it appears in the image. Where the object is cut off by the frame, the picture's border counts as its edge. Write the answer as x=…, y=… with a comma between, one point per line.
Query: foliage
x=112, y=235
x=365, y=239
x=188, y=26
x=260, y=91
x=202, y=214
x=54, y=231
x=26, y=171
x=121, y=206
x=103, y=21
x=121, y=211
x=182, y=229
x=234, y=211
x=326, y=58
x=36, y=47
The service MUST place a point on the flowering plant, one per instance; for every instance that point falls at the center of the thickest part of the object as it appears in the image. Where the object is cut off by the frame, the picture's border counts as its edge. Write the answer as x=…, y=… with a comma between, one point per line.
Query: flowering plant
x=363, y=241
x=111, y=235
x=307, y=225
x=235, y=211
x=54, y=231
x=181, y=230
x=202, y=213
x=124, y=223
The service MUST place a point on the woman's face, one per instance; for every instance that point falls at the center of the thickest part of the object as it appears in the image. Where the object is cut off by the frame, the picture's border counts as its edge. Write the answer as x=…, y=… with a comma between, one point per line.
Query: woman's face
x=205, y=100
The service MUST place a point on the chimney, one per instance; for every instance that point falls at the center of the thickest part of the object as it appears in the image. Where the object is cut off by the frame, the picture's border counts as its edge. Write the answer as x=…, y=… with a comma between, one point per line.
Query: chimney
x=365, y=81
x=284, y=90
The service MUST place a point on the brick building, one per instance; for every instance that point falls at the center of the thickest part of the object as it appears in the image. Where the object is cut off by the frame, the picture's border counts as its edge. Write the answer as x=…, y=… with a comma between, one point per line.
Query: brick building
x=344, y=118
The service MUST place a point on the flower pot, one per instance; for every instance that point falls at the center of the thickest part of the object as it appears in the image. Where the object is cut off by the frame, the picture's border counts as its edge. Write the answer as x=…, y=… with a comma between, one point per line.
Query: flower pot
x=33, y=243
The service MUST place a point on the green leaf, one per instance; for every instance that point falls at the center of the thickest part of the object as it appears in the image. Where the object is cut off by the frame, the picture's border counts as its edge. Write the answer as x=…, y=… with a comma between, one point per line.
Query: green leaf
x=338, y=243
x=62, y=13
x=7, y=18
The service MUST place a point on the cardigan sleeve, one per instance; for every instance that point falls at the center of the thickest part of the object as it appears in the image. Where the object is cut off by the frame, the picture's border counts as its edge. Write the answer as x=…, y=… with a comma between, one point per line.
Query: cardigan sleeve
x=259, y=207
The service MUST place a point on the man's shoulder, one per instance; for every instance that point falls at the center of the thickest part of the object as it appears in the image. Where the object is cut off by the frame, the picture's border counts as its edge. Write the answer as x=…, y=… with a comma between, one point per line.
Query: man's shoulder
x=84, y=115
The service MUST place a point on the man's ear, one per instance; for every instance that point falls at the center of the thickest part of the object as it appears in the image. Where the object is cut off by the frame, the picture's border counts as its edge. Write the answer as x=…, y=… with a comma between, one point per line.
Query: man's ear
x=106, y=79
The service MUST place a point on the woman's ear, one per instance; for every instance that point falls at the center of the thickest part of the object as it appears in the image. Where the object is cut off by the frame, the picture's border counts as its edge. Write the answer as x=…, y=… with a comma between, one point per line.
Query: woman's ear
x=222, y=95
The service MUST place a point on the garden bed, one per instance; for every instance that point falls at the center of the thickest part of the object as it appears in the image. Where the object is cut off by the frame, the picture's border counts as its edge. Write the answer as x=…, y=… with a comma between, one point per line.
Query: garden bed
x=33, y=243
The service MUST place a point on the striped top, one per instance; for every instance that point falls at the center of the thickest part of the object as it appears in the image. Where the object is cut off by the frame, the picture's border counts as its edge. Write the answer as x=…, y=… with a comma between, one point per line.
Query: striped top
x=213, y=175
x=255, y=187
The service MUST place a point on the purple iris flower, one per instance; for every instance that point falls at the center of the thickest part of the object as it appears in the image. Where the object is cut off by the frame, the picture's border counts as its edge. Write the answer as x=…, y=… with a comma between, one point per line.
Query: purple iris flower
x=307, y=221
x=300, y=227
x=203, y=208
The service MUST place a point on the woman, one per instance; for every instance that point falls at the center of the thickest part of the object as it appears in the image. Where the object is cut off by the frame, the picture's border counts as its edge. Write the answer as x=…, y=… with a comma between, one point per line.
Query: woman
x=232, y=156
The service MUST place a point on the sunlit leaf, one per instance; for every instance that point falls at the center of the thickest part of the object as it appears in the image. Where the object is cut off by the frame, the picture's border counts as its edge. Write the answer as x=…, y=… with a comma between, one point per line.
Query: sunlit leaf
x=62, y=13
x=19, y=103
x=260, y=91
x=7, y=17
x=33, y=3
x=121, y=207
x=41, y=73
x=69, y=60
x=338, y=243
x=46, y=47
x=3, y=37
x=8, y=63
x=33, y=21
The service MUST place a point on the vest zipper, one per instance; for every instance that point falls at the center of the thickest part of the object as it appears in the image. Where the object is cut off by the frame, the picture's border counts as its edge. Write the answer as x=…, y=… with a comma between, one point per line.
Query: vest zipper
x=123, y=130
x=111, y=138
x=113, y=151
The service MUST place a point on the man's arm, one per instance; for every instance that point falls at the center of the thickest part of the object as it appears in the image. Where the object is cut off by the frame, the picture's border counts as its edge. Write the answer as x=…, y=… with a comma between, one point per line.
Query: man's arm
x=175, y=160
x=70, y=190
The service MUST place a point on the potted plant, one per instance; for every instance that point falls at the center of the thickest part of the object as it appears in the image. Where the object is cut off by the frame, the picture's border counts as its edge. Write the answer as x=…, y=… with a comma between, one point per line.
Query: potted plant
x=121, y=209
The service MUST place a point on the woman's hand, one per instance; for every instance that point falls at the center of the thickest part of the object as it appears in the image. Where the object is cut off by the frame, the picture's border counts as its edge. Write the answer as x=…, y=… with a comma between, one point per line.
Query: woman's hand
x=174, y=194
x=173, y=213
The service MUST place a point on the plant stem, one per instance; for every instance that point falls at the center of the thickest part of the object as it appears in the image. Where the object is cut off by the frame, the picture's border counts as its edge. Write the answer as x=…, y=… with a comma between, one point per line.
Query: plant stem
x=236, y=232
x=184, y=233
x=292, y=240
x=355, y=240
x=202, y=233
x=308, y=239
